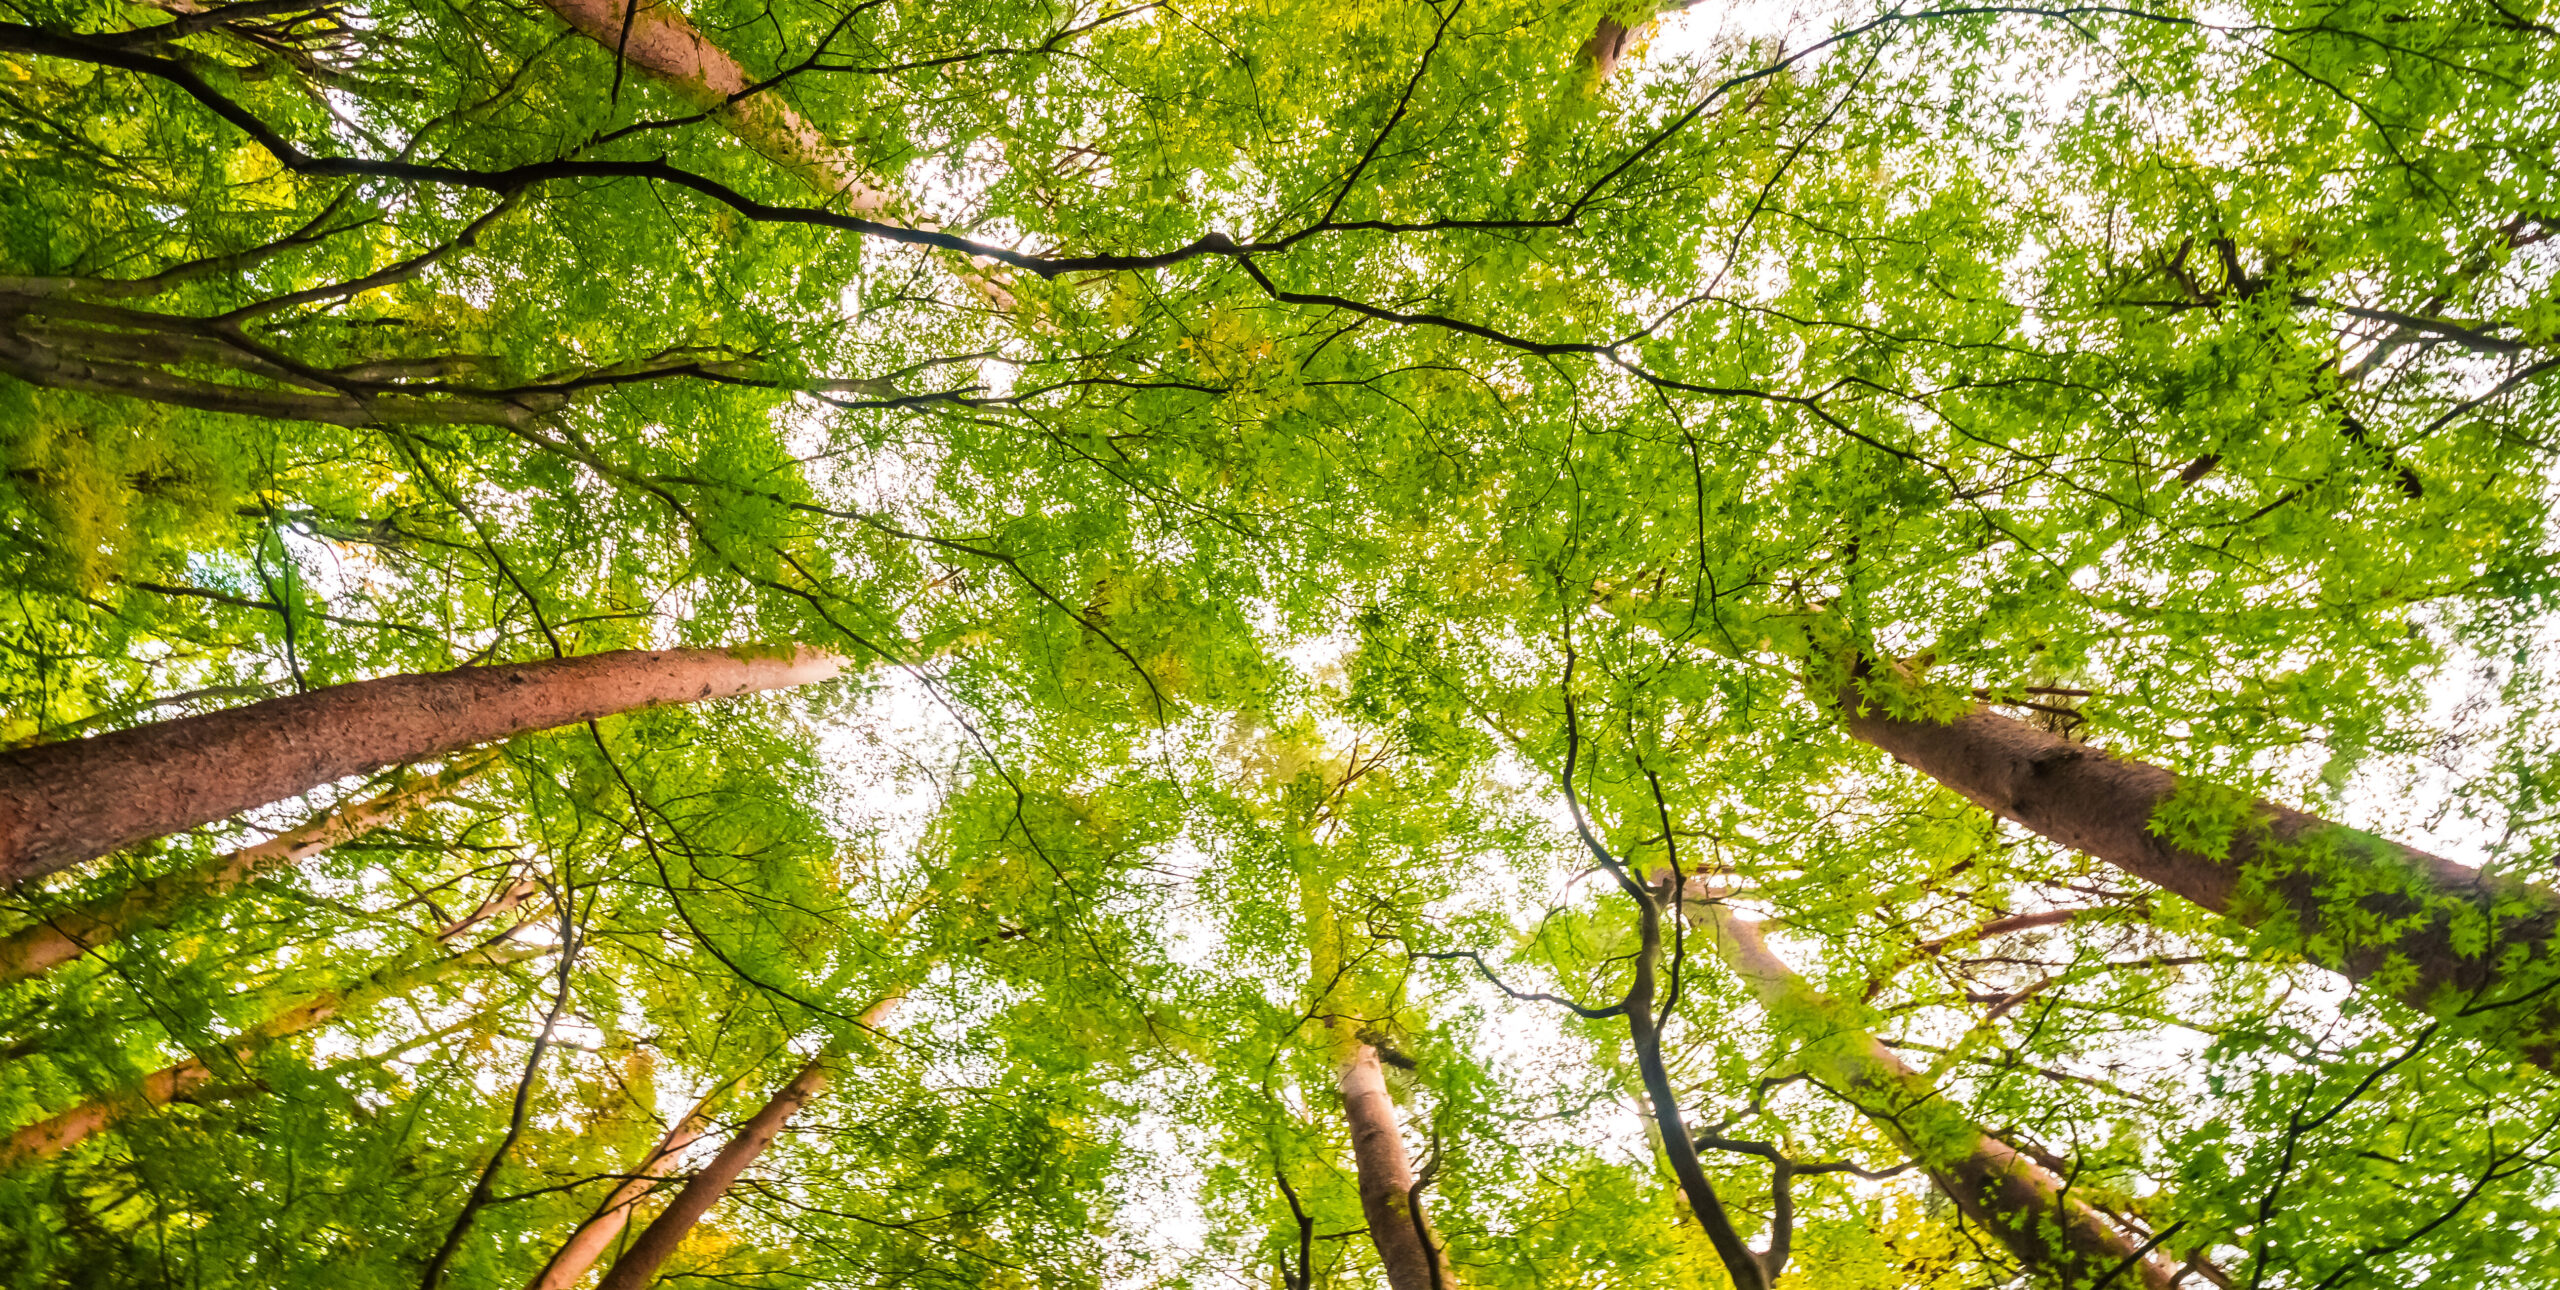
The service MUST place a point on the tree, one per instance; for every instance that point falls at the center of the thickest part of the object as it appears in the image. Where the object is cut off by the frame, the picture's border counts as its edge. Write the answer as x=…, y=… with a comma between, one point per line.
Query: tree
x=2030, y=1209
x=571, y=1263
x=61, y=936
x=2444, y=937
x=69, y=1128
x=1389, y=1189
x=639, y=1263
x=75, y=801
x=1330, y=502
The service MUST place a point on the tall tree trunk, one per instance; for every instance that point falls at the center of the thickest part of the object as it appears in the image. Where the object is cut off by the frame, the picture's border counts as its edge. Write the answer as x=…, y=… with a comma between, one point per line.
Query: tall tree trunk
x=2445, y=935
x=29, y=359
x=656, y=38
x=638, y=1267
x=579, y=1254
x=64, y=803
x=1612, y=40
x=1608, y=44
x=1413, y=1259
x=1403, y=1239
x=1748, y=1269
x=39, y=948
x=56, y=1134
x=2056, y=1235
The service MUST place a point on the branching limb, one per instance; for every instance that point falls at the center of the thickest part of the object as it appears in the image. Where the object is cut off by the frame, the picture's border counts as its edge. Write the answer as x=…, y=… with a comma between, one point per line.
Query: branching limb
x=1783, y=1171
x=1304, y=1277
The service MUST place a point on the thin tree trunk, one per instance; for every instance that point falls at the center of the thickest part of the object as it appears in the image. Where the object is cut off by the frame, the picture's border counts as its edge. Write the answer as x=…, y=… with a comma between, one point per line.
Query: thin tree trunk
x=1413, y=1259
x=579, y=1254
x=59, y=1133
x=64, y=803
x=638, y=1267
x=2057, y=1236
x=39, y=948
x=2445, y=934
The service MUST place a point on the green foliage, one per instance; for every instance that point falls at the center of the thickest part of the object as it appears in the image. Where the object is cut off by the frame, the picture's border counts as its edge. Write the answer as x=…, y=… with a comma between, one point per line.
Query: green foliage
x=1295, y=479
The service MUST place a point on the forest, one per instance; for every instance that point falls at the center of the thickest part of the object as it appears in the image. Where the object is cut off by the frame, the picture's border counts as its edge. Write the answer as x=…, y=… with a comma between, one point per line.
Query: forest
x=1279, y=644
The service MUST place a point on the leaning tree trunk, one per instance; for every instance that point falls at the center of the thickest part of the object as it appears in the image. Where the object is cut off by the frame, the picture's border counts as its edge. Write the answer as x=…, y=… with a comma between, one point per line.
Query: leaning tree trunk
x=654, y=37
x=64, y=803
x=2056, y=1235
x=1403, y=1238
x=579, y=1253
x=59, y=1133
x=2444, y=936
x=637, y=1269
x=40, y=947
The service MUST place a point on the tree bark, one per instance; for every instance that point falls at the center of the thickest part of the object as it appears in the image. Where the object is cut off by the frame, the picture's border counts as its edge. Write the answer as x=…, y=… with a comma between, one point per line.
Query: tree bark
x=1413, y=1259
x=2057, y=1236
x=655, y=37
x=1611, y=40
x=41, y=947
x=2440, y=935
x=638, y=1267
x=1608, y=44
x=1410, y=1254
x=31, y=359
x=59, y=1133
x=64, y=803
x=579, y=1254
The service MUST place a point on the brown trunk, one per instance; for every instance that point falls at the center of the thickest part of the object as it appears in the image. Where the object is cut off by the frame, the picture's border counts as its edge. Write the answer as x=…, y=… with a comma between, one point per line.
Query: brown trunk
x=35, y=950
x=584, y=1246
x=1607, y=45
x=1405, y=1246
x=2350, y=901
x=60, y=1133
x=2057, y=1236
x=656, y=38
x=64, y=803
x=1612, y=40
x=638, y=1267
x=1412, y=1258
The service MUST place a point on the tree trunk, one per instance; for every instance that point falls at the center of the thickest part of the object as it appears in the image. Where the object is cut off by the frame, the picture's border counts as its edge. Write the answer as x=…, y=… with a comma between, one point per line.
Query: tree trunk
x=29, y=358
x=2444, y=935
x=56, y=1134
x=638, y=1267
x=1608, y=44
x=1405, y=1246
x=1748, y=1270
x=64, y=803
x=1612, y=40
x=35, y=950
x=656, y=38
x=1413, y=1259
x=2057, y=1236
x=584, y=1246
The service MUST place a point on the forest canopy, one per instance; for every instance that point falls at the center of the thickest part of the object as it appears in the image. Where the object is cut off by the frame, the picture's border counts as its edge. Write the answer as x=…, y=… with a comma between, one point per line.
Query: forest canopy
x=1279, y=643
